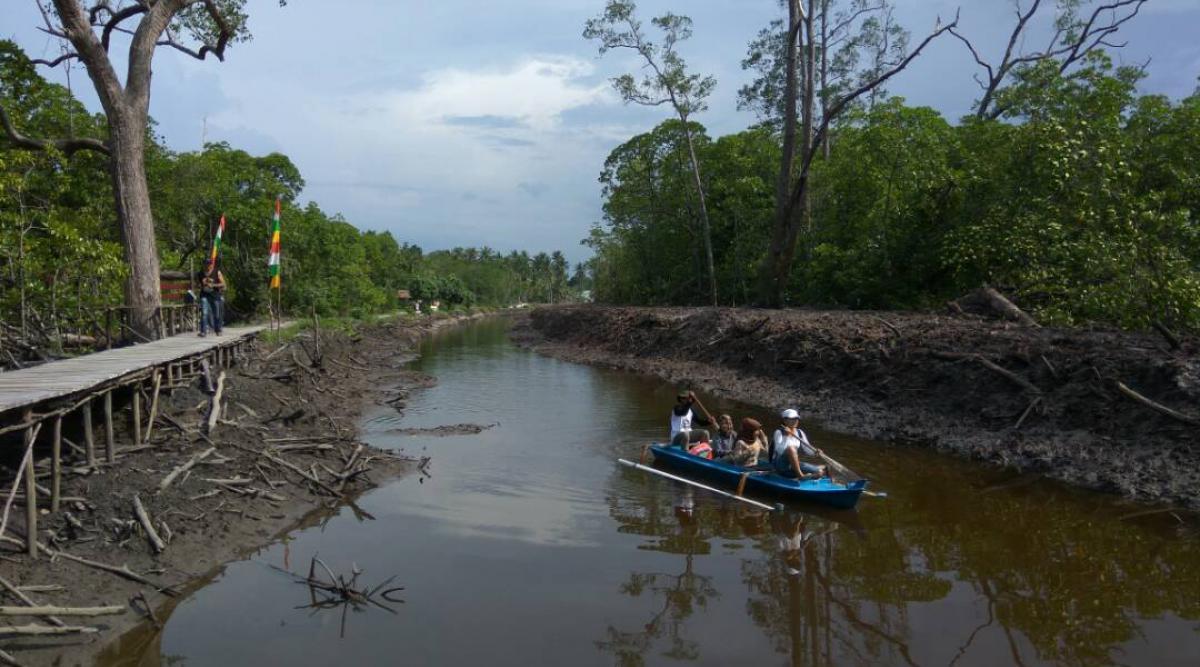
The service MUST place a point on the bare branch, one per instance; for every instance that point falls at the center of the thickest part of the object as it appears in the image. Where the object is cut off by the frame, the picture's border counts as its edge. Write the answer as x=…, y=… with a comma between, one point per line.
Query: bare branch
x=844, y=101
x=69, y=146
x=226, y=33
x=57, y=61
x=1091, y=34
x=49, y=28
x=117, y=18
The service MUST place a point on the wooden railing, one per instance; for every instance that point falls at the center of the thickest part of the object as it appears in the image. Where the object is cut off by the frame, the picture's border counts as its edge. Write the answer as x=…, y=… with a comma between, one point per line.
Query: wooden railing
x=168, y=320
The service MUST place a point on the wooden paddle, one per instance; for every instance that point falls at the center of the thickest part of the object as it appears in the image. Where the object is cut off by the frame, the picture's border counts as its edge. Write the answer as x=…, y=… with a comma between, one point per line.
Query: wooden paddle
x=707, y=414
x=846, y=472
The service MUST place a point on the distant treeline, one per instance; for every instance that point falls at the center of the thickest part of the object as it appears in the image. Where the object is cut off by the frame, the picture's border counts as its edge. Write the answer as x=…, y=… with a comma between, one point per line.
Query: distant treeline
x=61, y=253
x=1080, y=199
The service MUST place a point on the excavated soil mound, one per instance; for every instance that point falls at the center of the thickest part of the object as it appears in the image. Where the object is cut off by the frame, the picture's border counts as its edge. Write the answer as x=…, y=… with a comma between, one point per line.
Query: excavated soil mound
x=1105, y=409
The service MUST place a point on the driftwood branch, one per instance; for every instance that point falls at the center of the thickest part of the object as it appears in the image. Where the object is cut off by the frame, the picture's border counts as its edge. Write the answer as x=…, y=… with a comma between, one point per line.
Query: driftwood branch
x=147, y=526
x=184, y=468
x=1011, y=376
x=122, y=571
x=26, y=599
x=1173, y=414
x=214, y=411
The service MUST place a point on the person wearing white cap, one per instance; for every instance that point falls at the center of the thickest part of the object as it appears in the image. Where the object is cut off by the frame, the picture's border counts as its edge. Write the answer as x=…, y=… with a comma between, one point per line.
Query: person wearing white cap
x=789, y=444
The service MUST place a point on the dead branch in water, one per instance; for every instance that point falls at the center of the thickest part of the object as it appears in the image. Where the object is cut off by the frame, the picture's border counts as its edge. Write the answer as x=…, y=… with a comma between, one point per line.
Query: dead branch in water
x=337, y=591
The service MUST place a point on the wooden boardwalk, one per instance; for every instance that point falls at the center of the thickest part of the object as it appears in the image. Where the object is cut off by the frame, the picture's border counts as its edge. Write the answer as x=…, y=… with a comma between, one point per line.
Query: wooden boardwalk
x=71, y=377
x=71, y=388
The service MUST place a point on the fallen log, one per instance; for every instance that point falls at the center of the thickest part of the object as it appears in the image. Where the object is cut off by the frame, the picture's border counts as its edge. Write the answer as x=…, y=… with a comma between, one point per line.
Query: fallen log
x=35, y=629
x=1166, y=333
x=47, y=610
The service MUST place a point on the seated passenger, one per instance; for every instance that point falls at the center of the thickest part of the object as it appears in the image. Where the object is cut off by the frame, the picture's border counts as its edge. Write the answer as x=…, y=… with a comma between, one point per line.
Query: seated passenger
x=790, y=444
x=701, y=449
x=750, y=445
x=726, y=437
x=683, y=416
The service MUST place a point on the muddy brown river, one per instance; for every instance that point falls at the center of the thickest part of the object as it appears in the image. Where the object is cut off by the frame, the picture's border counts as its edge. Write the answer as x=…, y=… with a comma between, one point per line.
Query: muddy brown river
x=528, y=545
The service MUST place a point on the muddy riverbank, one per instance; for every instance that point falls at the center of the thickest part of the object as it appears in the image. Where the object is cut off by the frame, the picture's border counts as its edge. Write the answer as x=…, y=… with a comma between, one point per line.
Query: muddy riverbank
x=286, y=448
x=1066, y=403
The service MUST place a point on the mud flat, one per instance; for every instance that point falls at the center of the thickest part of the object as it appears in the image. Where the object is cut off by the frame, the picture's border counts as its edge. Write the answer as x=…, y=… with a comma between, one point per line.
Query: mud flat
x=1103, y=409
x=284, y=449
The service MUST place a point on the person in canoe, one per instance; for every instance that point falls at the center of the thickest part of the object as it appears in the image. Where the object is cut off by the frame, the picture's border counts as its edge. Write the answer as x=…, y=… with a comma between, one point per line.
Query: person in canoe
x=684, y=416
x=789, y=444
x=726, y=437
x=751, y=444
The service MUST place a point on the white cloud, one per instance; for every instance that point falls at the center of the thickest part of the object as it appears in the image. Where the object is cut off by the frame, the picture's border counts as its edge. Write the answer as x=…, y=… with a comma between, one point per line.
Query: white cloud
x=536, y=90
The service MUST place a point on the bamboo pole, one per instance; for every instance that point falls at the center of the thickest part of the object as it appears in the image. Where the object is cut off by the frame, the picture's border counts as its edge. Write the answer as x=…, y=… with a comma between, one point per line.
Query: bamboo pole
x=56, y=465
x=698, y=485
x=109, y=444
x=31, y=513
x=89, y=437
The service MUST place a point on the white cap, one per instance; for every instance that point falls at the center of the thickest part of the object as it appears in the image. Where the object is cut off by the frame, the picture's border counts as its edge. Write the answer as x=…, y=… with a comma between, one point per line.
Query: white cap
x=790, y=414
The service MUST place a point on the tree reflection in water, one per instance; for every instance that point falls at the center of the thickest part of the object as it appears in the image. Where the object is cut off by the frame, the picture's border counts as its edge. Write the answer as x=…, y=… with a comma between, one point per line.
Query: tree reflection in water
x=1046, y=581
x=680, y=532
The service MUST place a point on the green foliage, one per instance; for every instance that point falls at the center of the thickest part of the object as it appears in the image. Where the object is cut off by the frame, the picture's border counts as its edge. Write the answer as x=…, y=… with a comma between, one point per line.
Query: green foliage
x=61, y=256
x=1083, y=203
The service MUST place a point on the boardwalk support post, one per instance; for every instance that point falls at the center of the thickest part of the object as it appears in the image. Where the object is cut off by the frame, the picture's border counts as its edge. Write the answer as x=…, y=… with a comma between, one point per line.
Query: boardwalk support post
x=109, y=444
x=31, y=513
x=56, y=465
x=137, y=413
x=89, y=438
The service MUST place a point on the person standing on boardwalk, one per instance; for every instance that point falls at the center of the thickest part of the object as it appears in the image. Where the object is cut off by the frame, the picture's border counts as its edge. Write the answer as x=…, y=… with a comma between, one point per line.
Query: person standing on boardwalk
x=218, y=300
x=212, y=288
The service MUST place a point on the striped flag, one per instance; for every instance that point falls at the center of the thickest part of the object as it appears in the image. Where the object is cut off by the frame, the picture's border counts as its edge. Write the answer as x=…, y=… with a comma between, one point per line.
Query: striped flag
x=216, y=249
x=273, y=262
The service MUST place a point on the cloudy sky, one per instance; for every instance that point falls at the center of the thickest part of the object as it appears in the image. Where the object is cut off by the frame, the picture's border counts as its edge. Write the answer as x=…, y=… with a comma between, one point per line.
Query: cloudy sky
x=477, y=122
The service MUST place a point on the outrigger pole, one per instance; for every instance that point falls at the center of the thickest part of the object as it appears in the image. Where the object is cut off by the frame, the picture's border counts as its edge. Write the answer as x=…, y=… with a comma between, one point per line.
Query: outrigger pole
x=698, y=485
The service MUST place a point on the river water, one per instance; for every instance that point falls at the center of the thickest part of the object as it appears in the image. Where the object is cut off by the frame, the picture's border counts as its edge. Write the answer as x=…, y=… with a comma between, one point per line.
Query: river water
x=527, y=545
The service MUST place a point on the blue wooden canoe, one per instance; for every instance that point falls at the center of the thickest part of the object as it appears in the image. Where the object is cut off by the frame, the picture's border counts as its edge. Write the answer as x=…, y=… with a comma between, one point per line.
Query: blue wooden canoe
x=763, y=482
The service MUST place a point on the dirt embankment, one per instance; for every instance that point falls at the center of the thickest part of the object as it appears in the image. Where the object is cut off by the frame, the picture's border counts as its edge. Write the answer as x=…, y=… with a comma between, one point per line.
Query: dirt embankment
x=284, y=448
x=1063, y=402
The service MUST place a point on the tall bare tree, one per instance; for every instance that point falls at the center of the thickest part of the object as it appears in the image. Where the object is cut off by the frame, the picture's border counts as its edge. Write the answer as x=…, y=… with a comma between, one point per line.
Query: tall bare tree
x=194, y=27
x=1080, y=27
x=812, y=114
x=667, y=81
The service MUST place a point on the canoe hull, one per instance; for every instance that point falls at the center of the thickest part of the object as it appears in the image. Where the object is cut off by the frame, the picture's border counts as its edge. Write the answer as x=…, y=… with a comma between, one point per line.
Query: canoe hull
x=821, y=491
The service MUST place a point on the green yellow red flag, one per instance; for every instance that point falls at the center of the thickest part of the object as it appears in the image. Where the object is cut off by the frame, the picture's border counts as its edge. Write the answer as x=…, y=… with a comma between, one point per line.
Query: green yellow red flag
x=273, y=262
